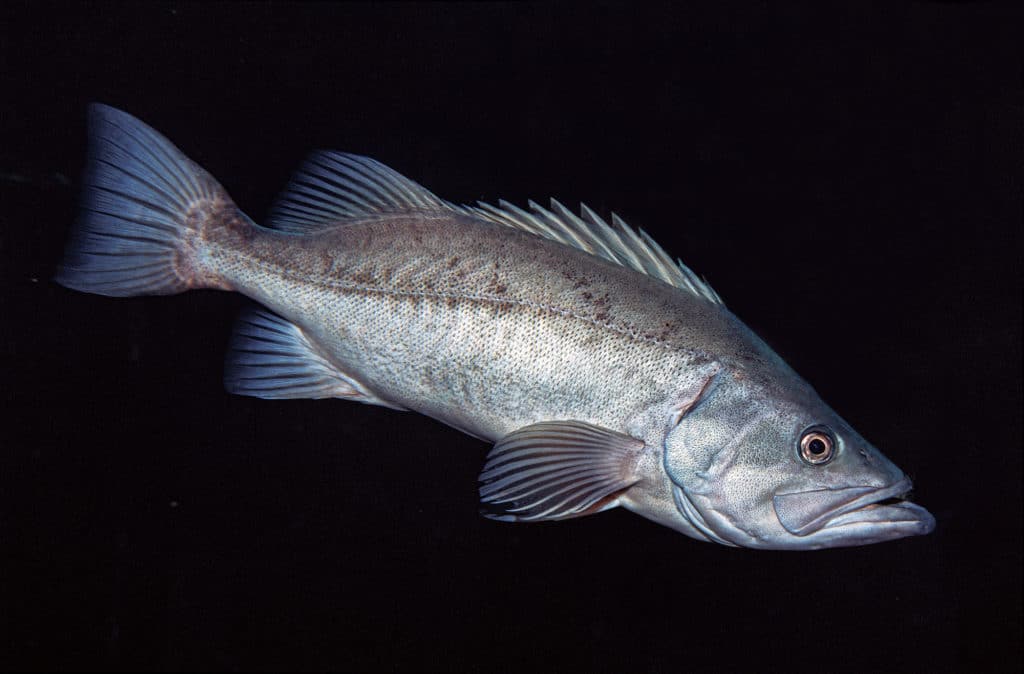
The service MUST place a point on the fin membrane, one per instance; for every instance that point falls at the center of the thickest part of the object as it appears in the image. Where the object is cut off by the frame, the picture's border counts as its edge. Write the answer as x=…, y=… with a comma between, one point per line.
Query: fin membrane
x=270, y=357
x=555, y=470
x=617, y=242
x=137, y=194
x=332, y=187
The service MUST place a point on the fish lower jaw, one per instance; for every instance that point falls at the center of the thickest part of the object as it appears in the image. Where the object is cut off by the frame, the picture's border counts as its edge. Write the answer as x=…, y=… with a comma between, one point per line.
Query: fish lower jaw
x=903, y=518
x=871, y=515
x=869, y=507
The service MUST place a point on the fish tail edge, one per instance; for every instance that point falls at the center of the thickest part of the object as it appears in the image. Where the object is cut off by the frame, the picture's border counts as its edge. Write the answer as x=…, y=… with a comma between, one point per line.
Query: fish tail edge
x=146, y=211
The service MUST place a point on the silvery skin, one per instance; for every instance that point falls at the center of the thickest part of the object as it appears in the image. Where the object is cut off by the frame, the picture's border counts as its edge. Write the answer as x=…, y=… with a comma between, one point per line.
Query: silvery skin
x=605, y=373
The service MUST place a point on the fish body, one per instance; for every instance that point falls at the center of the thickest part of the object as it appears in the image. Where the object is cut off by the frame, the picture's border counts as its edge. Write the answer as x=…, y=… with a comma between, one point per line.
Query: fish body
x=606, y=374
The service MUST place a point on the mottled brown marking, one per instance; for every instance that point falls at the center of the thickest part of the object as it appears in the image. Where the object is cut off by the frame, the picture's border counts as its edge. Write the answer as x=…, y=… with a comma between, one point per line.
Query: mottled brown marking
x=578, y=280
x=228, y=219
x=208, y=221
x=362, y=277
x=496, y=285
x=237, y=223
x=601, y=307
x=327, y=262
x=666, y=331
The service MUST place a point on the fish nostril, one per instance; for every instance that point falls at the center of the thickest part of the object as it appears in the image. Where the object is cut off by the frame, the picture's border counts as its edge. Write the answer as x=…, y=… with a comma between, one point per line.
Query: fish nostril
x=866, y=455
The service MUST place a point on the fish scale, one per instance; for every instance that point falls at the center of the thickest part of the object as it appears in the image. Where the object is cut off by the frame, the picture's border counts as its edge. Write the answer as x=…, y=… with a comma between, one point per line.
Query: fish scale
x=605, y=374
x=528, y=331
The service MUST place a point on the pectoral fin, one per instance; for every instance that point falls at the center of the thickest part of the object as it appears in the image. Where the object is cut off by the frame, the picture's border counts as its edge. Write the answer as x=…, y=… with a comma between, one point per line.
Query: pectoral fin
x=557, y=469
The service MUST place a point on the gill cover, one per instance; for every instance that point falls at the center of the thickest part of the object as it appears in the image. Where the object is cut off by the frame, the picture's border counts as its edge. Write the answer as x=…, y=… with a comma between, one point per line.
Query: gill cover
x=738, y=476
x=703, y=446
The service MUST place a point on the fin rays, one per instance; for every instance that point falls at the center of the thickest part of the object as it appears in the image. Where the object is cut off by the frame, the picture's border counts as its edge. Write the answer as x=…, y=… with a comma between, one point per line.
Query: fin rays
x=555, y=470
x=272, y=358
x=617, y=242
x=331, y=188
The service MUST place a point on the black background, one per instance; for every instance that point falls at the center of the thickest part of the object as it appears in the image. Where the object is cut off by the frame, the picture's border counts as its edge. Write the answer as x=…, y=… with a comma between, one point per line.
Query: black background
x=848, y=177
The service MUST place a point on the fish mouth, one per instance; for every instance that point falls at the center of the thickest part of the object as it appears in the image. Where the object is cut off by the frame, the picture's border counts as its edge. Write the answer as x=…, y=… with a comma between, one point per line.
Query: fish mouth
x=861, y=514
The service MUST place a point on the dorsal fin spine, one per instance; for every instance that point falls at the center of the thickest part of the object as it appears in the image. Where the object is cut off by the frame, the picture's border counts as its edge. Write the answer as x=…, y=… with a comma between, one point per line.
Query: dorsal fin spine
x=333, y=187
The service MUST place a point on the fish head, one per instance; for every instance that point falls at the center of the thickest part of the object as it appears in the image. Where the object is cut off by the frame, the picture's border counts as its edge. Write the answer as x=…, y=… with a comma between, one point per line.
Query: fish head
x=767, y=466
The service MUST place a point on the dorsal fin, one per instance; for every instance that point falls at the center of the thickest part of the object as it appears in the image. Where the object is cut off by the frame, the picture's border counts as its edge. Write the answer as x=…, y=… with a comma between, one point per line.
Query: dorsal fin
x=617, y=242
x=332, y=187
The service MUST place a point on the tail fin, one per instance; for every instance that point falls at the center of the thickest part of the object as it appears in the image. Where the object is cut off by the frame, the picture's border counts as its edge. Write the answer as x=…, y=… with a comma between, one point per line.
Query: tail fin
x=143, y=202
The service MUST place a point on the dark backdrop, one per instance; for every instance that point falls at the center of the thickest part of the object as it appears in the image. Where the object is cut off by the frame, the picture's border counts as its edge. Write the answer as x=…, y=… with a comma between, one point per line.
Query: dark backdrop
x=848, y=177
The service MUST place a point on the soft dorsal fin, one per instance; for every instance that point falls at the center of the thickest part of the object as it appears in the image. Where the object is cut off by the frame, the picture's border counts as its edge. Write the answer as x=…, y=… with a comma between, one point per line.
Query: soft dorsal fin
x=332, y=187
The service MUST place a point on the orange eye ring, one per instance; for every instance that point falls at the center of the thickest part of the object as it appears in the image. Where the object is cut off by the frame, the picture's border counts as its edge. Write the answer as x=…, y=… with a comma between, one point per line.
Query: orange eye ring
x=817, y=447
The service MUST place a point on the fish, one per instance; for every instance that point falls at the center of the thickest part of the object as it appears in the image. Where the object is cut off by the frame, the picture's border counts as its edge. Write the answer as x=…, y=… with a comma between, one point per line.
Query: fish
x=604, y=373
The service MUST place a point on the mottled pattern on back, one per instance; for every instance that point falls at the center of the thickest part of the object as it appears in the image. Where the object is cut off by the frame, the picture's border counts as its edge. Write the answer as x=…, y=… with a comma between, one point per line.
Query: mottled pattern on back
x=481, y=325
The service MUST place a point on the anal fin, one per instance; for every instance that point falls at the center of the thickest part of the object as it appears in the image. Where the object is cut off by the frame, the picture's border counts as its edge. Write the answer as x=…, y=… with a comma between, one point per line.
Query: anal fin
x=270, y=357
x=556, y=470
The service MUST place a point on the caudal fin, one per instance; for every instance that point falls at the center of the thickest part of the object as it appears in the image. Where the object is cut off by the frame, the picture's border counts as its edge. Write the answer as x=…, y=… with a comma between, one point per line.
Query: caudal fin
x=143, y=203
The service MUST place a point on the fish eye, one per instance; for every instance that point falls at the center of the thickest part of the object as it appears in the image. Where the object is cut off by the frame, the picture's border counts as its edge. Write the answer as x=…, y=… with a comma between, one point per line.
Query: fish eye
x=817, y=446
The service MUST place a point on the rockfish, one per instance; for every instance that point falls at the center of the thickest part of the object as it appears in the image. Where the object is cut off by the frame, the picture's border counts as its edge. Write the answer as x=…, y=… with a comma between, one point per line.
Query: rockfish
x=605, y=373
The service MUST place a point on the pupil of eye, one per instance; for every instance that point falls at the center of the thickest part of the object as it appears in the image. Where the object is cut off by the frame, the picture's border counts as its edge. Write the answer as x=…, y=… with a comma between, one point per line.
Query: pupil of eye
x=817, y=446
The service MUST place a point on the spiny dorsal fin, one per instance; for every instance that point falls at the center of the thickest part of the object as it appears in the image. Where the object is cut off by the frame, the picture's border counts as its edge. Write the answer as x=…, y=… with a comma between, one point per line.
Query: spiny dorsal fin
x=617, y=242
x=332, y=187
